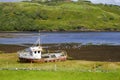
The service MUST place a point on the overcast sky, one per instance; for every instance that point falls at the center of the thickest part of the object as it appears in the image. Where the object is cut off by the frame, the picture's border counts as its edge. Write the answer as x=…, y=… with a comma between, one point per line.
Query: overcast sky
x=94, y=1
x=106, y=1
x=9, y=0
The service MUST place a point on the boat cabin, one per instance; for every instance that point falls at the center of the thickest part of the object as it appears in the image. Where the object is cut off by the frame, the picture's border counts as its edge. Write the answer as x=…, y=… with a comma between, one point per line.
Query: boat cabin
x=31, y=53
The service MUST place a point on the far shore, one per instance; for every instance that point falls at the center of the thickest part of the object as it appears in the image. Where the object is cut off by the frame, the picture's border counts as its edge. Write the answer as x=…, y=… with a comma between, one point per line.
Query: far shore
x=54, y=31
x=4, y=34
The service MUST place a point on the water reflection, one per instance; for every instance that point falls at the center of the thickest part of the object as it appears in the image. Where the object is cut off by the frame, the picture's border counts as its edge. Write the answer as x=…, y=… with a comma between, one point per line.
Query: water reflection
x=112, y=38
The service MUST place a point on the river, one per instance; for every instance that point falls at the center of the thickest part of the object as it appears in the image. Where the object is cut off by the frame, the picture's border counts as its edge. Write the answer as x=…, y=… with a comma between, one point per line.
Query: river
x=109, y=38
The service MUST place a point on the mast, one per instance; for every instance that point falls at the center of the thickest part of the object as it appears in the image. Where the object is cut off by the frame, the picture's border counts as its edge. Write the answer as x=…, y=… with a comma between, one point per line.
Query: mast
x=39, y=39
x=37, y=43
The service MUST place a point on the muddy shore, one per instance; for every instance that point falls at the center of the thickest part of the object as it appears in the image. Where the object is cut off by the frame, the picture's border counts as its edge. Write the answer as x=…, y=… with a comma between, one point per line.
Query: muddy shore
x=77, y=51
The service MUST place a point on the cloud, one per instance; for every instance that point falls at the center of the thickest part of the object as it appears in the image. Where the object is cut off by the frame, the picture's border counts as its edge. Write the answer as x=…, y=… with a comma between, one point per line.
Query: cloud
x=10, y=0
x=115, y=2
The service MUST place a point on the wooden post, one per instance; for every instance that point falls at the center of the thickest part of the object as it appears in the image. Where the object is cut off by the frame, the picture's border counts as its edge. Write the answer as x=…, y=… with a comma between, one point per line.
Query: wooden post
x=55, y=68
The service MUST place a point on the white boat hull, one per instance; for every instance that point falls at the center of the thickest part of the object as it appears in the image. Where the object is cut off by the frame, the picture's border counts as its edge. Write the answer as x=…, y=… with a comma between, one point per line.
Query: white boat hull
x=43, y=59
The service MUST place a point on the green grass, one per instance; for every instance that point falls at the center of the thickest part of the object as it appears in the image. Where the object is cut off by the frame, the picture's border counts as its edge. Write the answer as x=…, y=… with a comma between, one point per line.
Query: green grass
x=11, y=61
x=62, y=16
x=58, y=75
x=68, y=70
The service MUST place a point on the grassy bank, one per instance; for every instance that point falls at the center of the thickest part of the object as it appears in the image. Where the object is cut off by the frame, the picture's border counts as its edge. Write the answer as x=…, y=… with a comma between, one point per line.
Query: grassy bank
x=12, y=69
x=58, y=75
x=11, y=61
x=63, y=16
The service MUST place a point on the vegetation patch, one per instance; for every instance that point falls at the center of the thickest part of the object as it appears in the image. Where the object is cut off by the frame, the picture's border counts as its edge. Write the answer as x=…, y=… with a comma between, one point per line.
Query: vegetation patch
x=59, y=16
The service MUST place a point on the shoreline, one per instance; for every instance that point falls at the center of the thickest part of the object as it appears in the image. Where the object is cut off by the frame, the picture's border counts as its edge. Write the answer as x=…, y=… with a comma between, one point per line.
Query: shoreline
x=13, y=34
x=58, y=31
x=76, y=52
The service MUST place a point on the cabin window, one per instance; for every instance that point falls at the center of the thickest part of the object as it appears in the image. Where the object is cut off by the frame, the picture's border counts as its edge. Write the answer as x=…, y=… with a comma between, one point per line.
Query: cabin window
x=45, y=56
x=38, y=51
x=62, y=55
x=53, y=56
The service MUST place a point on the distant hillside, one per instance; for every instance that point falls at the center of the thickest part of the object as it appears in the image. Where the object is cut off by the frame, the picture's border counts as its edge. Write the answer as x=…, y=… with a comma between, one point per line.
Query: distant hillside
x=63, y=16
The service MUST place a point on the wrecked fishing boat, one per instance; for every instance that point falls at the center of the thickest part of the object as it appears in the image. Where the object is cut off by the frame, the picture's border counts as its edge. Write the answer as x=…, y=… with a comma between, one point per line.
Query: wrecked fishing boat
x=37, y=53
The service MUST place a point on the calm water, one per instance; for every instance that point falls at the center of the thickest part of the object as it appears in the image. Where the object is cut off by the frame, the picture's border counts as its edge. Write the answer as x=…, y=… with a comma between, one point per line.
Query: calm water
x=111, y=38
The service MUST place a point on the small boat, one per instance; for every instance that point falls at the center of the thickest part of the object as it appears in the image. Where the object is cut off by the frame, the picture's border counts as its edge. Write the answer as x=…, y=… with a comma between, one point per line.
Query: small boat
x=36, y=53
